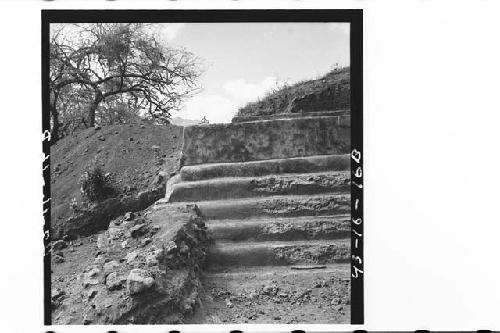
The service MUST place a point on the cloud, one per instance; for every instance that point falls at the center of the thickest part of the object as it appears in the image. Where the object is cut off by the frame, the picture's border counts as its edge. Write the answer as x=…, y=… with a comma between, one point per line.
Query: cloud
x=169, y=31
x=244, y=92
x=344, y=28
x=221, y=108
x=217, y=109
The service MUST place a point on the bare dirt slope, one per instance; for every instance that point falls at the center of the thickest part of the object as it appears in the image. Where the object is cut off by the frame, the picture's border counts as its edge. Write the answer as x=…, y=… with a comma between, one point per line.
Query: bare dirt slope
x=134, y=154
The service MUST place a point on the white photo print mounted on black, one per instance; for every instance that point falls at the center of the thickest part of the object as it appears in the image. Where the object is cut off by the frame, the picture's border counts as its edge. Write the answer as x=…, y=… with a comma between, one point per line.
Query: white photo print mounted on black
x=203, y=167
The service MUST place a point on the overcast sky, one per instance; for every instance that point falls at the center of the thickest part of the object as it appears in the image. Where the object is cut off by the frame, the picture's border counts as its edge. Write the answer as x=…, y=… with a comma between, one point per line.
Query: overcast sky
x=245, y=60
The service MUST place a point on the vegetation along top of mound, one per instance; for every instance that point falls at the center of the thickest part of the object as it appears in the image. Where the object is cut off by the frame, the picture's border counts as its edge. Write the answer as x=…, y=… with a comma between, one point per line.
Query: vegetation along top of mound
x=138, y=157
x=327, y=93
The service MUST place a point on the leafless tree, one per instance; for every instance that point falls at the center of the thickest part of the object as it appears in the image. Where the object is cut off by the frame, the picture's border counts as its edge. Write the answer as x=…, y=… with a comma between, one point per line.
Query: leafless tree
x=92, y=65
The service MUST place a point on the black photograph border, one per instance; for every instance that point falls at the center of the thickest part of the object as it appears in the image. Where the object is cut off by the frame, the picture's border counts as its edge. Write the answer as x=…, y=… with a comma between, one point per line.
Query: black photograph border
x=352, y=16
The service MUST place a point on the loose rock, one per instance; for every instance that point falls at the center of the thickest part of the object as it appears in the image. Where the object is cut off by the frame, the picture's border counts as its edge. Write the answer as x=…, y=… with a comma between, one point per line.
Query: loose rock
x=115, y=281
x=145, y=241
x=57, y=296
x=270, y=289
x=87, y=320
x=131, y=257
x=58, y=259
x=138, y=230
x=139, y=280
x=58, y=245
x=183, y=249
x=228, y=303
x=99, y=259
x=103, y=241
x=170, y=247
x=91, y=277
x=110, y=267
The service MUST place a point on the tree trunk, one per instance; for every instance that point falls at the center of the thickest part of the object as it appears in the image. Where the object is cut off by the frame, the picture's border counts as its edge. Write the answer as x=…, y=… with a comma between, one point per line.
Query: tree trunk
x=55, y=121
x=93, y=109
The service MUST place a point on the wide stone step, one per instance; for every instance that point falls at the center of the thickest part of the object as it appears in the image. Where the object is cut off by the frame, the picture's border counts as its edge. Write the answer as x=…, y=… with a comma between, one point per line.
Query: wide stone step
x=277, y=206
x=245, y=187
x=278, y=253
x=310, y=164
x=284, y=229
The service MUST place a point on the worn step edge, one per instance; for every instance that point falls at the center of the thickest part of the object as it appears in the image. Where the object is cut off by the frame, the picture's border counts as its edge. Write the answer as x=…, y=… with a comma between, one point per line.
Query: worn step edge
x=246, y=187
x=337, y=113
x=341, y=269
x=292, y=228
x=278, y=253
x=315, y=163
x=277, y=206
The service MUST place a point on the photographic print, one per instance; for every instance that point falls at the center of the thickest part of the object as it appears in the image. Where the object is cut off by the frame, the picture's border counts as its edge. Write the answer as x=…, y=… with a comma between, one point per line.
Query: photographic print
x=203, y=167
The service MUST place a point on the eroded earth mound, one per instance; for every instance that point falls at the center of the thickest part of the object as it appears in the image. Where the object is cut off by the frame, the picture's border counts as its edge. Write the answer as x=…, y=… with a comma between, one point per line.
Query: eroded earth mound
x=139, y=156
x=329, y=92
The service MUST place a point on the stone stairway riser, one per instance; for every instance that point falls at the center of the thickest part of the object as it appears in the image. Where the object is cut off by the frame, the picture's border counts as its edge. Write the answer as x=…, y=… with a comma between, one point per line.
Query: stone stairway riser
x=311, y=164
x=284, y=229
x=268, y=253
x=232, y=188
x=280, y=206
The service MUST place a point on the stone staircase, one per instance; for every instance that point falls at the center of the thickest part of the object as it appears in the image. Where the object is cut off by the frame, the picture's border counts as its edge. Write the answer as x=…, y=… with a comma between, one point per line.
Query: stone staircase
x=276, y=196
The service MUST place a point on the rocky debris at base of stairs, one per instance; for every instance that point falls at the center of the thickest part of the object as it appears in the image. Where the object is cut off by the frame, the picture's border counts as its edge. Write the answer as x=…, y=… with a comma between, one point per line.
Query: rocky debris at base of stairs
x=146, y=282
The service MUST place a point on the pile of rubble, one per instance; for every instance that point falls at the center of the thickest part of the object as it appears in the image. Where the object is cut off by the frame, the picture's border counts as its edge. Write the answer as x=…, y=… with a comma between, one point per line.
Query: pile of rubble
x=146, y=270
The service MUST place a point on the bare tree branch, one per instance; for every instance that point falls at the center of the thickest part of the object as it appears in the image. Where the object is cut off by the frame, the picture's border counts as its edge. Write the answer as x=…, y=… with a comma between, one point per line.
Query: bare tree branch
x=115, y=63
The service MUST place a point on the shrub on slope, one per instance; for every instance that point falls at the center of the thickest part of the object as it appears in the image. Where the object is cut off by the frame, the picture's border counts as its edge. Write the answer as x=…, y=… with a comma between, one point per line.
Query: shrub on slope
x=133, y=155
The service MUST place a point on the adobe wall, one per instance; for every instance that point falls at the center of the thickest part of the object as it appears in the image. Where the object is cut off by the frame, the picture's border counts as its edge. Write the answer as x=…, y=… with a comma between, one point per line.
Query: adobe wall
x=269, y=139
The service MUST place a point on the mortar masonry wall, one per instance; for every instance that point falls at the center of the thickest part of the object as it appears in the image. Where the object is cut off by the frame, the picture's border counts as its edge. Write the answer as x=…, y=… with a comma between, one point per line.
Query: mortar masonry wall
x=269, y=139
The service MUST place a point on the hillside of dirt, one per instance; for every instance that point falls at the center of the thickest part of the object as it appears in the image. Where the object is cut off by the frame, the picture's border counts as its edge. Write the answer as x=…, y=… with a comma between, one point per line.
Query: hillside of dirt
x=139, y=157
x=327, y=93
